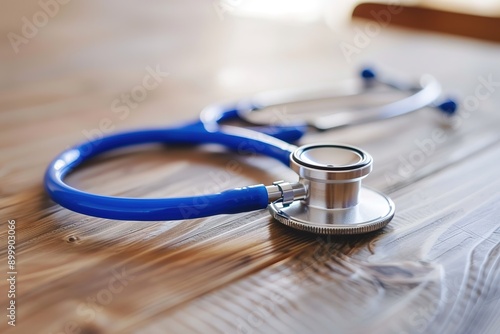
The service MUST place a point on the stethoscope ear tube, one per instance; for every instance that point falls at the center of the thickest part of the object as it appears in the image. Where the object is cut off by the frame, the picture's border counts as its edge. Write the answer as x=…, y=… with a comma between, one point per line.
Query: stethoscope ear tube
x=158, y=209
x=424, y=94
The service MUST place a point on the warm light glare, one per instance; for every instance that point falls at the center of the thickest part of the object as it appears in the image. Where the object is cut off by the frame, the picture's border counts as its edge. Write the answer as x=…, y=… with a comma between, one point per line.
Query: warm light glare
x=478, y=7
x=295, y=10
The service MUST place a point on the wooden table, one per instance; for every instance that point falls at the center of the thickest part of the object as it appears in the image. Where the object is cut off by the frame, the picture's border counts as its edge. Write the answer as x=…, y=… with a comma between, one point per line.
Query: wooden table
x=434, y=269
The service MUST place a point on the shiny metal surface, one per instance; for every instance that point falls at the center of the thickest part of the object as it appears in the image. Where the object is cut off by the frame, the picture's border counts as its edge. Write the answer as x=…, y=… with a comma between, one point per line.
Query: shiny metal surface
x=287, y=192
x=332, y=180
x=329, y=156
x=329, y=198
x=332, y=195
x=419, y=96
x=339, y=169
x=373, y=212
x=429, y=91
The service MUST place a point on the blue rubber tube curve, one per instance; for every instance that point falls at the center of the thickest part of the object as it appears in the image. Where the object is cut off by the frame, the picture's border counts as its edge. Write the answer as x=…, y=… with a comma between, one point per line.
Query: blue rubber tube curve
x=153, y=209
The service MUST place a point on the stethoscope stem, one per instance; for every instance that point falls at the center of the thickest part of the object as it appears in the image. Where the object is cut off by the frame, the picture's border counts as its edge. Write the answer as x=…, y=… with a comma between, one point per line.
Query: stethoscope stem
x=286, y=192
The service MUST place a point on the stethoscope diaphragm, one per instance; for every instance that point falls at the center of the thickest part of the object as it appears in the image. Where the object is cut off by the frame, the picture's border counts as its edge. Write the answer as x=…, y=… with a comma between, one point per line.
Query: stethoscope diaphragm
x=333, y=199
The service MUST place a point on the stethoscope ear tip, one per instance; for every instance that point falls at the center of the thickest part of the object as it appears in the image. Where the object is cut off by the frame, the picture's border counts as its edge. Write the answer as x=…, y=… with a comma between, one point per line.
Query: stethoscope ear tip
x=368, y=73
x=448, y=107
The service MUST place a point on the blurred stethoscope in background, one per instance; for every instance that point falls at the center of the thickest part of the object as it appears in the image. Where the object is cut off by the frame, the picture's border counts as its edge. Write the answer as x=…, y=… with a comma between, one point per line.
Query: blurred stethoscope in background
x=327, y=199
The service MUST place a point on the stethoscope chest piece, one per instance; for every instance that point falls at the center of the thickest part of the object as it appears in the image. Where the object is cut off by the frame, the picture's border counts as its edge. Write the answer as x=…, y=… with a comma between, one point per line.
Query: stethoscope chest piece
x=334, y=202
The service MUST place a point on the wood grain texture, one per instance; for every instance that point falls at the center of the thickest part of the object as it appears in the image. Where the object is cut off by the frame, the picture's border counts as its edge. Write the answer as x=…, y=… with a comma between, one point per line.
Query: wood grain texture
x=434, y=269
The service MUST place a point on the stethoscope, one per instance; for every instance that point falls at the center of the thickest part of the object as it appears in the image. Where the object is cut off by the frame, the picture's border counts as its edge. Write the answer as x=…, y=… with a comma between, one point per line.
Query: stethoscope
x=327, y=199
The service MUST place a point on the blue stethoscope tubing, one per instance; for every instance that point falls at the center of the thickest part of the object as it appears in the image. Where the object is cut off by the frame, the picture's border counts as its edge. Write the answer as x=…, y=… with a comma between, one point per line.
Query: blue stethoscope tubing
x=271, y=141
x=152, y=209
